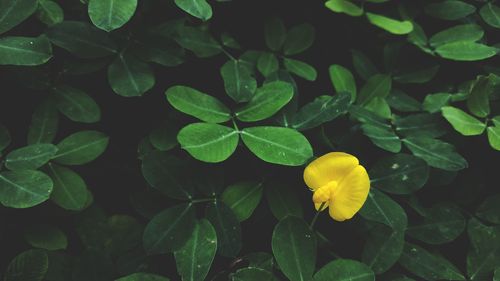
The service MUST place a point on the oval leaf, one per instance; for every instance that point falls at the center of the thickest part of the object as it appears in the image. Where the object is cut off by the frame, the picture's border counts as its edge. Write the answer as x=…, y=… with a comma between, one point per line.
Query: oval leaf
x=24, y=189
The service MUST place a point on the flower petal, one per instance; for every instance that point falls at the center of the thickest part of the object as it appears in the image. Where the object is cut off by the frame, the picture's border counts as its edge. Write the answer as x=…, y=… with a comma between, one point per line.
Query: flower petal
x=351, y=194
x=333, y=166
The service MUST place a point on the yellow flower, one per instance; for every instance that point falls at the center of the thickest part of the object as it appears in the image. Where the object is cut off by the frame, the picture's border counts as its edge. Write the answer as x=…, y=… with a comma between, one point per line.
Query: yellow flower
x=339, y=182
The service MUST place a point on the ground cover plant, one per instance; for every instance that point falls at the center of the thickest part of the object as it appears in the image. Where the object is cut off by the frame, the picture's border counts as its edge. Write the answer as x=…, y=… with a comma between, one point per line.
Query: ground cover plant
x=249, y=140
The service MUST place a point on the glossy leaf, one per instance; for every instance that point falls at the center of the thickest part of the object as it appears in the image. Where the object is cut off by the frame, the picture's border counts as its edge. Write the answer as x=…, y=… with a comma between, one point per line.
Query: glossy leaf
x=494, y=136
x=208, y=142
x=466, y=51
x=169, y=230
x=379, y=85
x=130, y=77
x=282, y=202
x=294, y=247
x=197, y=8
x=243, y=198
x=227, y=227
x=81, y=148
x=76, y=104
x=434, y=102
x=463, y=32
x=478, y=101
x=24, y=189
x=298, y=39
x=436, y=153
x=484, y=253
x=300, y=69
x=277, y=145
x=382, y=137
x=275, y=34
x=383, y=248
x=343, y=80
x=30, y=157
x=13, y=12
x=323, y=109
x=344, y=6
x=344, y=270
x=44, y=123
x=108, y=15
x=489, y=210
x=267, y=64
x=462, y=122
x=239, y=83
x=25, y=50
x=391, y=25
x=200, y=42
x=70, y=190
x=449, y=9
x=491, y=14
x=268, y=100
x=49, y=12
x=251, y=273
x=195, y=257
x=381, y=208
x=420, y=124
x=198, y=104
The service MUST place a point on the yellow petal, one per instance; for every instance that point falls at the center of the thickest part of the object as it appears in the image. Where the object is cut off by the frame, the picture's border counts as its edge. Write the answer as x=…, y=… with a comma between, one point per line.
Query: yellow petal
x=324, y=193
x=351, y=194
x=317, y=205
x=333, y=166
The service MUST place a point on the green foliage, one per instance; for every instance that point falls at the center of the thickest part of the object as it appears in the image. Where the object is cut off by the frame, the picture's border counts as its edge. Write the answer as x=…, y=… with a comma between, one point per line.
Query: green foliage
x=225, y=110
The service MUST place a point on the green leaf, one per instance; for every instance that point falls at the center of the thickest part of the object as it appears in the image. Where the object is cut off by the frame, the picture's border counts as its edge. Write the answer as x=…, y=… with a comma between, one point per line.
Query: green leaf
x=442, y=223
x=391, y=25
x=478, y=101
x=382, y=137
x=75, y=104
x=489, y=210
x=427, y=265
x=449, y=9
x=436, y=153
x=380, y=107
x=130, y=77
x=25, y=50
x=323, y=109
x=194, y=259
x=418, y=76
x=227, y=227
x=140, y=276
x=268, y=100
x=363, y=65
x=164, y=137
x=70, y=190
x=46, y=237
x=24, y=189
x=239, y=83
x=294, y=247
x=44, y=123
x=267, y=64
x=466, y=51
x=109, y=15
x=30, y=265
x=93, y=264
x=300, y=69
x=420, y=124
x=403, y=102
x=381, y=208
x=462, y=122
x=383, y=248
x=5, y=138
x=169, y=230
x=208, y=142
x=484, y=254
x=343, y=80
x=275, y=34
x=434, y=102
x=491, y=14
x=243, y=198
x=252, y=274
x=344, y=6
x=298, y=39
x=30, y=157
x=277, y=145
x=81, y=148
x=198, y=104
x=81, y=39
x=344, y=270
x=379, y=85
x=197, y=8
x=494, y=136
x=281, y=201
x=399, y=174
x=163, y=171
x=13, y=12
x=49, y=12
x=200, y=42
x=463, y=32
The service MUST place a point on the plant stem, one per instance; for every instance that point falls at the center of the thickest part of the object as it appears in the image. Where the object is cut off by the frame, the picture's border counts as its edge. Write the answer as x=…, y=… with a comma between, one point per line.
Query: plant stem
x=203, y=200
x=316, y=215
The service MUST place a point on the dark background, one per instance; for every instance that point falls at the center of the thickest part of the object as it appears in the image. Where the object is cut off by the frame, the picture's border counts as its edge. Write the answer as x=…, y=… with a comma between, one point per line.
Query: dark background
x=115, y=175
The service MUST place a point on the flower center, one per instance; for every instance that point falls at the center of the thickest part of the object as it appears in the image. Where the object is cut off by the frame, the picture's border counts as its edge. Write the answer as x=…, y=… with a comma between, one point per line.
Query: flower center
x=325, y=193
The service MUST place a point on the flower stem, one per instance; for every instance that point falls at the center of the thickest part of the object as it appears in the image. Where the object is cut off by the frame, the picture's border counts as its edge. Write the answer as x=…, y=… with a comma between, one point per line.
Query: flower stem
x=316, y=215
x=202, y=200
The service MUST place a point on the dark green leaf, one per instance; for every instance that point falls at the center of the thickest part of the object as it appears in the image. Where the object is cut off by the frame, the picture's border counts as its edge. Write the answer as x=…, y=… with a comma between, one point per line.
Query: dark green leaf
x=243, y=198
x=5, y=138
x=197, y=8
x=169, y=230
x=30, y=157
x=81, y=148
x=381, y=208
x=489, y=210
x=13, y=12
x=323, y=109
x=239, y=83
x=466, y=51
x=478, y=101
x=462, y=122
x=25, y=50
x=420, y=124
x=267, y=64
x=344, y=270
x=298, y=39
x=436, y=153
x=418, y=76
x=403, y=102
x=200, y=42
x=143, y=277
x=76, y=104
x=227, y=227
x=379, y=85
x=463, y=32
x=49, y=12
x=30, y=265
x=44, y=124
x=294, y=247
x=382, y=137
x=208, y=142
x=449, y=9
x=491, y=14
x=434, y=102
x=195, y=257
x=484, y=253
x=108, y=15
x=251, y=274
x=282, y=202
x=342, y=80
x=81, y=39
x=363, y=65
x=300, y=69
x=70, y=190
x=24, y=189
x=130, y=77
x=275, y=34
x=197, y=104
x=46, y=237
x=383, y=248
